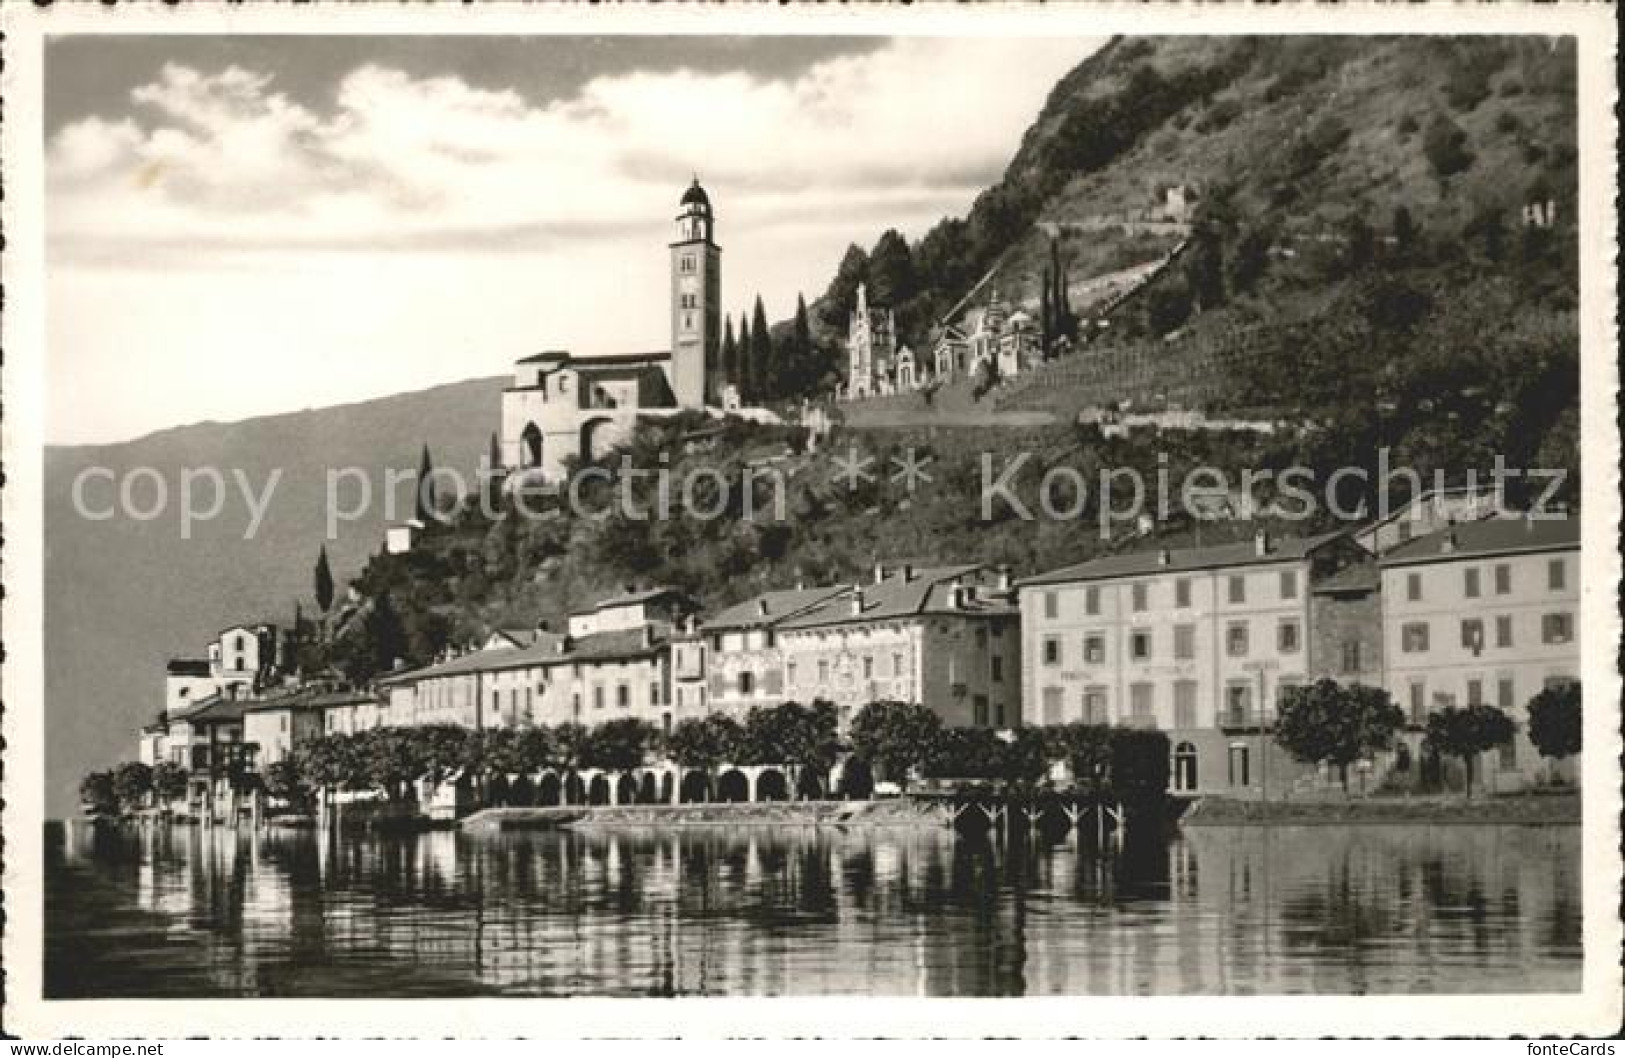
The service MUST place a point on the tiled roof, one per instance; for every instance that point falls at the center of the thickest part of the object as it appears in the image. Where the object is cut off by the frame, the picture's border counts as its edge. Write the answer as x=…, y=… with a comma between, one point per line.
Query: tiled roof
x=215, y=709
x=1149, y=561
x=779, y=605
x=1495, y=536
x=600, y=646
x=188, y=667
x=601, y=360
x=923, y=591
x=306, y=698
x=630, y=598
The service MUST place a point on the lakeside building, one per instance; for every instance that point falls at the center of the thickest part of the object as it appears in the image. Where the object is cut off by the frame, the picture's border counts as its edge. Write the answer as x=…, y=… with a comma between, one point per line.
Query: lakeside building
x=1484, y=612
x=612, y=661
x=1427, y=513
x=736, y=661
x=948, y=637
x=996, y=335
x=1198, y=642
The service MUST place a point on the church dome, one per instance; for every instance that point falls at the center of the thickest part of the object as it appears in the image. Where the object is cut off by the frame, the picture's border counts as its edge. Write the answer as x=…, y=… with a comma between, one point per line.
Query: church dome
x=696, y=196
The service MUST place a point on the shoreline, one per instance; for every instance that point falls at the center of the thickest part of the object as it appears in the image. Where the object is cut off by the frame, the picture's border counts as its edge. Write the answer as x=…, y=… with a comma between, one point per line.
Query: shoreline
x=889, y=813
x=1561, y=809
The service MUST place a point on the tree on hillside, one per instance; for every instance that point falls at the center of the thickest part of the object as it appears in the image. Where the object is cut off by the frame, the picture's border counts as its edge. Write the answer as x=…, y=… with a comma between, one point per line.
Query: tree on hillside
x=730, y=352
x=892, y=278
x=842, y=295
x=1445, y=145
x=1326, y=721
x=765, y=370
x=372, y=645
x=896, y=736
x=324, y=581
x=1466, y=733
x=801, y=375
x=1554, y=721
x=425, y=508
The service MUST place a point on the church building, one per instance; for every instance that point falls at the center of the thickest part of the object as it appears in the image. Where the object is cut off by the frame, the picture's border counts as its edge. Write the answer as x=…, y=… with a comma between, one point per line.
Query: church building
x=561, y=404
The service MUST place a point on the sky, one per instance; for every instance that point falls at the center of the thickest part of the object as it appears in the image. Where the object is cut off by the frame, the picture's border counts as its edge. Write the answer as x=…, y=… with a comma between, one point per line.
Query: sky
x=247, y=225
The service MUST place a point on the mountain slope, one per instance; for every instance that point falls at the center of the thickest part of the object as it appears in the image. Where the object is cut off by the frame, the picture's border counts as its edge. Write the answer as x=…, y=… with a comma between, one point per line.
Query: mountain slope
x=123, y=595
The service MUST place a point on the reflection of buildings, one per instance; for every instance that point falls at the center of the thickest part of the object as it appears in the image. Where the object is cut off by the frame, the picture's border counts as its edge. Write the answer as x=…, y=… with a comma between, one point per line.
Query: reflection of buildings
x=875, y=912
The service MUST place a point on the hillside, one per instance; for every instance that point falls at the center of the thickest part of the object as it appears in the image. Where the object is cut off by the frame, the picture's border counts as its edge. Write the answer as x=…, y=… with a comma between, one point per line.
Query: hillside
x=122, y=595
x=1356, y=264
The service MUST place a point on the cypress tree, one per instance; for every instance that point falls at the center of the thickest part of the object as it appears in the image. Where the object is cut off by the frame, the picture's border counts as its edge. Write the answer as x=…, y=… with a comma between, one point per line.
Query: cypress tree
x=324, y=581
x=493, y=473
x=424, y=509
x=801, y=373
x=765, y=370
x=746, y=379
x=730, y=352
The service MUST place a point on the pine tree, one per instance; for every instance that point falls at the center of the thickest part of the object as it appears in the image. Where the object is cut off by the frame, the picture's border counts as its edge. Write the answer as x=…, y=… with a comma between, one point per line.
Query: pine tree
x=425, y=507
x=763, y=361
x=324, y=581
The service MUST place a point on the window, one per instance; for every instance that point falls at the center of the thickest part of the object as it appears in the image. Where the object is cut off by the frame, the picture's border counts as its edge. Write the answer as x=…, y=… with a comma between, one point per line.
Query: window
x=1052, y=705
x=1286, y=637
x=1413, y=587
x=1094, y=705
x=1556, y=628
x=1413, y=637
x=1185, y=767
x=1503, y=579
x=1289, y=584
x=897, y=668
x=790, y=672
x=597, y=697
x=998, y=714
x=1139, y=646
x=1238, y=588
x=1094, y=649
x=979, y=709
x=1240, y=773
x=823, y=672
x=1556, y=575
x=1351, y=656
x=1235, y=640
x=1469, y=585
x=1475, y=692
x=1182, y=593
x=1503, y=631
x=1052, y=650
x=575, y=704
x=1184, y=642
x=654, y=694
x=685, y=263
x=747, y=683
x=1472, y=635
x=1137, y=597
x=1419, y=702
x=1185, y=703
x=1142, y=704
x=1504, y=694
x=1508, y=754
x=1238, y=704
x=1091, y=600
x=868, y=668
x=995, y=669
x=1052, y=606
x=623, y=695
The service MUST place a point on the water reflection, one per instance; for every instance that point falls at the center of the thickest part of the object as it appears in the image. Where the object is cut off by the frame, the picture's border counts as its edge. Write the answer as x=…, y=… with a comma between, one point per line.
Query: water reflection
x=699, y=911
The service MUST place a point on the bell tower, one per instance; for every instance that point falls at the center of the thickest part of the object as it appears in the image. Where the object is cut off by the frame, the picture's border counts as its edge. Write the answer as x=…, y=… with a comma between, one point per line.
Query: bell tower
x=696, y=296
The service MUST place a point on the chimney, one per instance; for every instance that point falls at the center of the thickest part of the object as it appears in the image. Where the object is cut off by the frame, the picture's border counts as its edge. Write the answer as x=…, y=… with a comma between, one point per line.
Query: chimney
x=648, y=636
x=880, y=572
x=1165, y=557
x=563, y=644
x=761, y=607
x=857, y=600
x=1003, y=578
x=907, y=569
x=1261, y=543
x=1448, y=544
x=541, y=626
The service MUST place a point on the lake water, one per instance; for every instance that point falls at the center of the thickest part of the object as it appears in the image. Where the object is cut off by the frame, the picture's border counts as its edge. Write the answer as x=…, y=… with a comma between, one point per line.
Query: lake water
x=741, y=911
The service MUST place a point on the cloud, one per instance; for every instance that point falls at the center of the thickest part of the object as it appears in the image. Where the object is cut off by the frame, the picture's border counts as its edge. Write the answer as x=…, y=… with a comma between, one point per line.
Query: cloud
x=217, y=158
